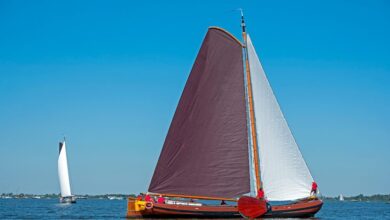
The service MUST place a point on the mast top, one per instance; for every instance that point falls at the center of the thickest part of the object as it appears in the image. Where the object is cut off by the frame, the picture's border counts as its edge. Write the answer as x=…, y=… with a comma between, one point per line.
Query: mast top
x=242, y=20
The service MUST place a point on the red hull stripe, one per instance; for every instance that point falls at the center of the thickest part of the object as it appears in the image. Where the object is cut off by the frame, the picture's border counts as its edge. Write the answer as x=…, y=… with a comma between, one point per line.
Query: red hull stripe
x=307, y=211
x=300, y=209
x=195, y=212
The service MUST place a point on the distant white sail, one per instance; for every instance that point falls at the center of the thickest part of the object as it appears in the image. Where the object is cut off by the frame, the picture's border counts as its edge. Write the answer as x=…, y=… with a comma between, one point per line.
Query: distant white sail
x=284, y=173
x=63, y=171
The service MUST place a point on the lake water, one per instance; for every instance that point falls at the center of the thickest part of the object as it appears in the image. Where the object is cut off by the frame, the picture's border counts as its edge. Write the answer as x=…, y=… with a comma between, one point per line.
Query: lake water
x=115, y=209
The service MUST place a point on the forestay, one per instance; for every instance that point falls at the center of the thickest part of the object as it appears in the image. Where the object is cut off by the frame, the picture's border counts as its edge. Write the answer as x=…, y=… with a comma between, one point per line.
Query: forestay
x=284, y=173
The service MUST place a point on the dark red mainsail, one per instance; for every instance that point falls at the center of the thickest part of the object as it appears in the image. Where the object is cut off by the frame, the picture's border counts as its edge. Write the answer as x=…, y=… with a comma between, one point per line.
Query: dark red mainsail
x=206, y=150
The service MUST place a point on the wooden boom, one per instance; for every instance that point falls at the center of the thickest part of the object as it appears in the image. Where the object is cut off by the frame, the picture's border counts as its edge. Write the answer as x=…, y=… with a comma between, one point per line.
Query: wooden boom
x=195, y=197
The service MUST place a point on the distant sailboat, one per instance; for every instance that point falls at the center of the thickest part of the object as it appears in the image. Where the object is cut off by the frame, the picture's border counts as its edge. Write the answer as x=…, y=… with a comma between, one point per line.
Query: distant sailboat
x=63, y=174
x=227, y=140
x=341, y=197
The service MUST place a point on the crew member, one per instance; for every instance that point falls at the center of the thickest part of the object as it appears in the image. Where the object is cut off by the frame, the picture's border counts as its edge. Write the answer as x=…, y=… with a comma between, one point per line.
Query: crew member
x=314, y=188
x=161, y=199
x=148, y=198
x=139, y=197
x=260, y=193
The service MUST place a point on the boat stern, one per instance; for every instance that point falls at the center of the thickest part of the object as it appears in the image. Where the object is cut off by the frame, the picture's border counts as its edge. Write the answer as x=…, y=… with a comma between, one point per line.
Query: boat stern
x=135, y=207
x=68, y=199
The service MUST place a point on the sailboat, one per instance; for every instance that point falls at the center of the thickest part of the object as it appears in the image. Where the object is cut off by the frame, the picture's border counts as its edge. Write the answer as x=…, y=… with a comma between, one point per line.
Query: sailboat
x=63, y=174
x=227, y=140
x=341, y=197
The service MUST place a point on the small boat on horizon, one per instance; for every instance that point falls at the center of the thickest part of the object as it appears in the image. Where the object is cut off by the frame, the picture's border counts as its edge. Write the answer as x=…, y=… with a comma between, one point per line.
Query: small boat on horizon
x=115, y=197
x=341, y=197
x=63, y=175
x=228, y=141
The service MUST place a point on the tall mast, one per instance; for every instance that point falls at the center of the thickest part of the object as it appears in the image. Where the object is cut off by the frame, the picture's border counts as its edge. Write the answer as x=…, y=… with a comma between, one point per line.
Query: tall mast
x=251, y=108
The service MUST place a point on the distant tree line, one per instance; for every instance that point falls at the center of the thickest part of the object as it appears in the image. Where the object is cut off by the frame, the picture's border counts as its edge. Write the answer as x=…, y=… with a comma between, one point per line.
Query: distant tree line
x=361, y=197
x=54, y=196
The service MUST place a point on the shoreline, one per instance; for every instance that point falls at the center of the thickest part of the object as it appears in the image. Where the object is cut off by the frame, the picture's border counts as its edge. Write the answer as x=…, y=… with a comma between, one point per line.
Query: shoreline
x=118, y=196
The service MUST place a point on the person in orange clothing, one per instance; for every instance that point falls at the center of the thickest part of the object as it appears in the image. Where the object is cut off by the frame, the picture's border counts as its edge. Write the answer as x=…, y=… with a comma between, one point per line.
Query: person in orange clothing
x=314, y=188
x=139, y=197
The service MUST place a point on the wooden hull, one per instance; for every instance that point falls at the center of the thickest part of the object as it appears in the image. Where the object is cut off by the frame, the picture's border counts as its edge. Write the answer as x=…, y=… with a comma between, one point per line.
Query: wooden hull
x=302, y=209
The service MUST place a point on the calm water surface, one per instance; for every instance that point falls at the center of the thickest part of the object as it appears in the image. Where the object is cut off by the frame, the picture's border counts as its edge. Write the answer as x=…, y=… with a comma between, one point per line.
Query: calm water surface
x=116, y=209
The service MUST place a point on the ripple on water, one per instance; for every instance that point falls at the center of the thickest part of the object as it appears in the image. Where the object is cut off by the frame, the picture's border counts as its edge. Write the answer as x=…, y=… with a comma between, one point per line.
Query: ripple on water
x=114, y=209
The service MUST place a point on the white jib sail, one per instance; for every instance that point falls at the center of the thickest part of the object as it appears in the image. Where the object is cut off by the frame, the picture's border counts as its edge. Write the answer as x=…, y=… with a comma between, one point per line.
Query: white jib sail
x=284, y=173
x=63, y=171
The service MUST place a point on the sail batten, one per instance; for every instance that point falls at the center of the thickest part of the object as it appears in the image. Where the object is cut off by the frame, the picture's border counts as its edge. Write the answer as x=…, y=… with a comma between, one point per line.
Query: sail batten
x=284, y=173
x=205, y=152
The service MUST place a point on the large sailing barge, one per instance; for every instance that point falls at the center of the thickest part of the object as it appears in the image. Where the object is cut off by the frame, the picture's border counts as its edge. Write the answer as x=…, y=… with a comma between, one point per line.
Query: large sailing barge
x=228, y=140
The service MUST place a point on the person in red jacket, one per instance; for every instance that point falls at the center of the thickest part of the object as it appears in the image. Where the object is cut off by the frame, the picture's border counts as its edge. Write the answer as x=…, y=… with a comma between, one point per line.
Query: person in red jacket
x=260, y=193
x=148, y=198
x=314, y=188
x=161, y=200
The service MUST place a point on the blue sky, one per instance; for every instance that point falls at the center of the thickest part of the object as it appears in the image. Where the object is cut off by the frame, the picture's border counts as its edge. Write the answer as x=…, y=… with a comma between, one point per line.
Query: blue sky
x=108, y=75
